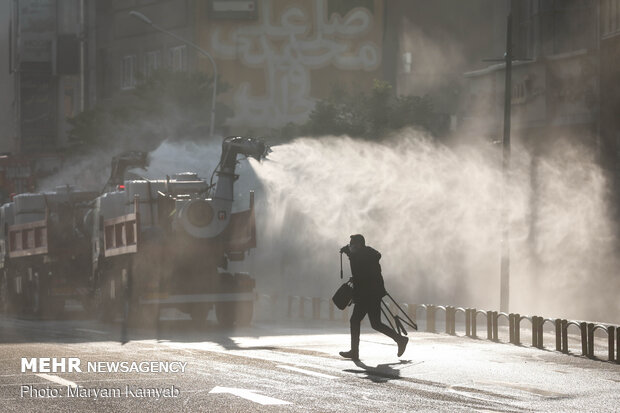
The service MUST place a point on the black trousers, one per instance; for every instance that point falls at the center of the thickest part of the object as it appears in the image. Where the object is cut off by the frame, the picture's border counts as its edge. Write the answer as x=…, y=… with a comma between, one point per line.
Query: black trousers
x=372, y=307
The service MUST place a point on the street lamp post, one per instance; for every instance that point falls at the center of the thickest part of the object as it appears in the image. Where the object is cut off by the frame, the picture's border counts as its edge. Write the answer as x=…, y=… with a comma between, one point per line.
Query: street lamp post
x=148, y=21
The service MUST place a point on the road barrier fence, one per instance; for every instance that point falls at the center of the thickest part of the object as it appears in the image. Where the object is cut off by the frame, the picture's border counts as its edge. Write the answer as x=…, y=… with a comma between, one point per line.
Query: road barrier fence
x=297, y=306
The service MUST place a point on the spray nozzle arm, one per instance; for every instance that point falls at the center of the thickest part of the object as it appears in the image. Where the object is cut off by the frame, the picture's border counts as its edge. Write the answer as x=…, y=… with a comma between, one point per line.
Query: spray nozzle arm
x=235, y=145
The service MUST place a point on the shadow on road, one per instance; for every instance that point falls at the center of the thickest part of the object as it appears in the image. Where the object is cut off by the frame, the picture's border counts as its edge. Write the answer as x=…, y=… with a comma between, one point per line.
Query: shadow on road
x=76, y=328
x=381, y=373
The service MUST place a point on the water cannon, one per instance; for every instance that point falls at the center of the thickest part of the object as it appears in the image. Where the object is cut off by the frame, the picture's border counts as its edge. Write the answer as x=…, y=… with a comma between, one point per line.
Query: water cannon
x=231, y=147
x=238, y=145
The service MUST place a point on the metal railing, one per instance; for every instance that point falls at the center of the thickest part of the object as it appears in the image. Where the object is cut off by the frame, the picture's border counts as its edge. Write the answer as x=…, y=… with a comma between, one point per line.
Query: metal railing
x=297, y=305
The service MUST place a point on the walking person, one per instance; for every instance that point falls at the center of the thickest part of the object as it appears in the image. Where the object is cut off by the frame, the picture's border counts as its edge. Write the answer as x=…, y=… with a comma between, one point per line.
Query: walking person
x=368, y=290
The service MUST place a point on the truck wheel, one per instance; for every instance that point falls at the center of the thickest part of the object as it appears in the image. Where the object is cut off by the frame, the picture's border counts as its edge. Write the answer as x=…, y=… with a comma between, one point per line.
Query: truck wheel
x=231, y=313
x=44, y=305
x=199, y=313
x=225, y=314
x=142, y=315
x=245, y=312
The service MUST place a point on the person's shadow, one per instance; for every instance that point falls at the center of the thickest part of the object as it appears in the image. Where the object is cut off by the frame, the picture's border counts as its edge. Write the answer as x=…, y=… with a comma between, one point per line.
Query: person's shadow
x=382, y=373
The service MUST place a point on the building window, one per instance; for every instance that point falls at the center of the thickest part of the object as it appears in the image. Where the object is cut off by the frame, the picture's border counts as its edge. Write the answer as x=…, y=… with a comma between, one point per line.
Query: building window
x=178, y=59
x=152, y=62
x=128, y=72
x=571, y=25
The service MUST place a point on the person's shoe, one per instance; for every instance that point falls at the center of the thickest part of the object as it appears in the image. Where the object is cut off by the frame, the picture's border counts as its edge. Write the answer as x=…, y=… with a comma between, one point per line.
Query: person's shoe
x=350, y=355
x=402, y=345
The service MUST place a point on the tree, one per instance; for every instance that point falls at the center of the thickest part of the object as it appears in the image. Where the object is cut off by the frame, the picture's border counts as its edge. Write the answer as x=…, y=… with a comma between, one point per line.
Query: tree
x=370, y=115
x=167, y=105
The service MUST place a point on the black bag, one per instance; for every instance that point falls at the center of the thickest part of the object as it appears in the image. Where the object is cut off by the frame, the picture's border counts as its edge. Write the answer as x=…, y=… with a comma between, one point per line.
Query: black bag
x=343, y=296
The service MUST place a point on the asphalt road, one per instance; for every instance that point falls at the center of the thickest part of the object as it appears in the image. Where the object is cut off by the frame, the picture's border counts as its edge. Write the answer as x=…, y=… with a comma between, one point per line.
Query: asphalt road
x=290, y=366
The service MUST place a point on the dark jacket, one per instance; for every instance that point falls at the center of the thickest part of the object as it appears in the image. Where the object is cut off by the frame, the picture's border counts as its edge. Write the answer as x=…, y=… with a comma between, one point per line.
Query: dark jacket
x=366, y=270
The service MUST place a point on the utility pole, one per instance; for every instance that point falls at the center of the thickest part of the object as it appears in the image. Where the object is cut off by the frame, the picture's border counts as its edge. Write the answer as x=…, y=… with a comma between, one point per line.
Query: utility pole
x=504, y=297
x=504, y=280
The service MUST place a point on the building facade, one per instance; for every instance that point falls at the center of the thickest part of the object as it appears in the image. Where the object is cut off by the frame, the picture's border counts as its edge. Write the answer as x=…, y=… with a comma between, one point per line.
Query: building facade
x=47, y=47
x=280, y=56
x=429, y=45
x=128, y=49
x=556, y=80
x=277, y=57
x=565, y=81
x=50, y=71
x=610, y=85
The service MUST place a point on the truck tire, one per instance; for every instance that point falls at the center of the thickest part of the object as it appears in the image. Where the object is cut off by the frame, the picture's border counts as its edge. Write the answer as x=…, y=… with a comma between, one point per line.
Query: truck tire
x=199, y=313
x=142, y=315
x=225, y=314
x=234, y=313
x=245, y=313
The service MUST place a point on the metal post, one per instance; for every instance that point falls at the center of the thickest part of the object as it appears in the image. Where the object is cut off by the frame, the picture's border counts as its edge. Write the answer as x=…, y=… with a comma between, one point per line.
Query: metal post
x=511, y=328
x=411, y=310
x=495, y=321
x=392, y=307
x=468, y=322
x=489, y=325
x=289, y=312
x=584, y=338
x=430, y=318
x=618, y=345
x=448, y=319
x=301, y=307
x=534, y=331
x=517, y=329
x=541, y=324
x=565, y=336
x=453, y=326
x=590, y=340
x=274, y=301
x=558, y=334
x=610, y=342
x=474, y=315
x=505, y=260
x=316, y=308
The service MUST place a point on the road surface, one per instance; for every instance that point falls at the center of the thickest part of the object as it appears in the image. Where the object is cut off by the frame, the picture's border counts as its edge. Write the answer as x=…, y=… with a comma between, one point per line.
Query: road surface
x=287, y=366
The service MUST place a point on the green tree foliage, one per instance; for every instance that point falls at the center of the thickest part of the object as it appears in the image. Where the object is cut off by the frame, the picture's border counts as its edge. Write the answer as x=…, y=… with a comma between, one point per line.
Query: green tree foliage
x=369, y=115
x=168, y=105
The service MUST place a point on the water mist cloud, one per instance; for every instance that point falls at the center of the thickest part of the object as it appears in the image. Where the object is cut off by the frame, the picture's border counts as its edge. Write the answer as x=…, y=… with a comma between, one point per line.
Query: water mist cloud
x=434, y=213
